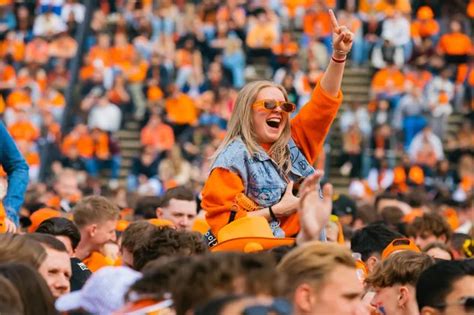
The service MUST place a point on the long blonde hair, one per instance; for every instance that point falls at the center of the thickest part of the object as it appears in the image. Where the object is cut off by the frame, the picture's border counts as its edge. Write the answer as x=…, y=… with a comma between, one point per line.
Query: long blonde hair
x=241, y=125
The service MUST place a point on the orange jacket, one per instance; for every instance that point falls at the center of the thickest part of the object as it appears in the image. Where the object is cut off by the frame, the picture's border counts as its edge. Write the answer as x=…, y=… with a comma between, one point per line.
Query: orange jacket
x=455, y=44
x=223, y=187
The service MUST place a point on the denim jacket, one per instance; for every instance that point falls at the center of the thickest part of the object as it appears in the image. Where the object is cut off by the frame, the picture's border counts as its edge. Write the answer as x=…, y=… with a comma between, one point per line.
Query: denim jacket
x=17, y=170
x=263, y=183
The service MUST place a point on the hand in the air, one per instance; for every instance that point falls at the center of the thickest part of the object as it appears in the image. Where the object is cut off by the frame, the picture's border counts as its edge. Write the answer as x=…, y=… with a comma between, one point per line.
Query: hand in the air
x=313, y=211
x=342, y=37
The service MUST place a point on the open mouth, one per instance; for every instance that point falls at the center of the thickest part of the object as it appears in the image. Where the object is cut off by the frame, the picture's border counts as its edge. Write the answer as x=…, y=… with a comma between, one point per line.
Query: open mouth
x=274, y=122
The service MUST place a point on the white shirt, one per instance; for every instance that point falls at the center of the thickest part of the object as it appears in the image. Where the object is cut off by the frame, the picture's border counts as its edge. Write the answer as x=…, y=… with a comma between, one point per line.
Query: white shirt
x=107, y=118
x=77, y=9
x=45, y=26
x=396, y=30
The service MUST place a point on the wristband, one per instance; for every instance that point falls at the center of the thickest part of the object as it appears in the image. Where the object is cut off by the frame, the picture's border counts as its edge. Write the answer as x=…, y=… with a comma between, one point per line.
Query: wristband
x=338, y=60
x=272, y=214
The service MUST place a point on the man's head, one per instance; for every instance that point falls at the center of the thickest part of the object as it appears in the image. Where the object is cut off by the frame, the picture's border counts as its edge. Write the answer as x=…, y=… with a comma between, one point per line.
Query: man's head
x=133, y=237
x=178, y=206
x=96, y=218
x=64, y=230
x=394, y=281
x=371, y=241
x=443, y=288
x=321, y=278
x=19, y=248
x=166, y=242
x=223, y=273
x=56, y=268
x=430, y=228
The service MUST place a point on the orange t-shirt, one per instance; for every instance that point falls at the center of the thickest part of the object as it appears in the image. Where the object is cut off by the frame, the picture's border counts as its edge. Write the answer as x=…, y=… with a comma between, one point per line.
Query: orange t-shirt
x=16, y=48
x=181, y=110
x=83, y=143
x=102, y=54
x=161, y=137
x=120, y=55
x=57, y=101
x=137, y=73
x=385, y=80
x=421, y=80
x=7, y=74
x=424, y=28
x=455, y=44
x=223, y=187
x=24, y=130
x=17, y=99
x=317, y=20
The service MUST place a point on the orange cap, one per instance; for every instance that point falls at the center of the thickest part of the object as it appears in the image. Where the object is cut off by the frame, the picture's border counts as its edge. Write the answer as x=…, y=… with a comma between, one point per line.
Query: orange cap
x=399, y=244
x=161, y=222
x=424, y=13
x=41, y=215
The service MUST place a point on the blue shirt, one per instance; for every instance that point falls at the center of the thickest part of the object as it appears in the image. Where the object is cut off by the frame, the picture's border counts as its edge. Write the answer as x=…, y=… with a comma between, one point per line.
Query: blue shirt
x=17, y=170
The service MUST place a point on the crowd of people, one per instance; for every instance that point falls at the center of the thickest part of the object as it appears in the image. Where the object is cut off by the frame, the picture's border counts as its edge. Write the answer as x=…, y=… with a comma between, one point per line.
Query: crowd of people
x=227, y=208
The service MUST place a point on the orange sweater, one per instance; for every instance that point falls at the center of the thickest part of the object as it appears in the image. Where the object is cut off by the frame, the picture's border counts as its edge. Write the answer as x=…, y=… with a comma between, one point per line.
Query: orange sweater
x=223, y=186
x=455, y=44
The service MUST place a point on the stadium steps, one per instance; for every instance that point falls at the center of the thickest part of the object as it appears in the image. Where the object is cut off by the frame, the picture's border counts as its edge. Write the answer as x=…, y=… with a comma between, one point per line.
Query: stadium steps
x=355, y=87
x=129, y=140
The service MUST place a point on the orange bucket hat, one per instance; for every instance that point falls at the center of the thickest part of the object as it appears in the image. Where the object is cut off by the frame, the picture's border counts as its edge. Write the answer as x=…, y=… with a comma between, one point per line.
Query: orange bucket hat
x=41, y=215
x=248, y=235
x=398, y=245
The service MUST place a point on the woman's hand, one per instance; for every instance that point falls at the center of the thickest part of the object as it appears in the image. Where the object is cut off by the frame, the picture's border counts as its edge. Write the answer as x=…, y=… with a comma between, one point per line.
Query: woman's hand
x=342, y=38
x=313, y=211
x=288, y=203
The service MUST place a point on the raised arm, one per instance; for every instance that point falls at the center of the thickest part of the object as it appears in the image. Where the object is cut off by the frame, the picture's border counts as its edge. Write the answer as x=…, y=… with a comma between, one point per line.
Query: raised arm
x=17, y=170
x=342, y=39
x=310, y=127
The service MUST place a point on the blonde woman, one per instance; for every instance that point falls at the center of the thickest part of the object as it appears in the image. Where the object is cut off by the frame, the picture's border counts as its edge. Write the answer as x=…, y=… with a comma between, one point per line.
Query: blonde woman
x=263, y=155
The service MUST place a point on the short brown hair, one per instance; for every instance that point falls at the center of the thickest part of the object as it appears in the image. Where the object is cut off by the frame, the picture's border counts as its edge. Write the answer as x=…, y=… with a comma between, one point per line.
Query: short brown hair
x=94, y=209
x=18, y=248
x=312, y=263
x=166, y=241
x=432, y=223
x=399, y=268
x=223, y=273
x=178, y=193
x=135, y=234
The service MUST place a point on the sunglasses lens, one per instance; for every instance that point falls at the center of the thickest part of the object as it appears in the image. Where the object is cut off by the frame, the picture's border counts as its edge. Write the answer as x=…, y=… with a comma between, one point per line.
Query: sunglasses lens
x=270, y=104
x=288, y=107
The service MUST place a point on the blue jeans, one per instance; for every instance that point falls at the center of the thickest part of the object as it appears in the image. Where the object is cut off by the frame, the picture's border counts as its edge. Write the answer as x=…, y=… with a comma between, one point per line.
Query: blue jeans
x=95, y=165
x=17, y=170
x=411, y=126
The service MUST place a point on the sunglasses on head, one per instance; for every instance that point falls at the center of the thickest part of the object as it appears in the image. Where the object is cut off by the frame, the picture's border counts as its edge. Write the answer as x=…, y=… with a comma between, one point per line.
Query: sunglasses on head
x=399, y=244
x=270, y=105
x=467, y=302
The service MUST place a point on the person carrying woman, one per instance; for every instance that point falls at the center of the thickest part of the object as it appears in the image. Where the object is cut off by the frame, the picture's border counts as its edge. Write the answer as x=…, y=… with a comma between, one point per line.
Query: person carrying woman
x=263, y=155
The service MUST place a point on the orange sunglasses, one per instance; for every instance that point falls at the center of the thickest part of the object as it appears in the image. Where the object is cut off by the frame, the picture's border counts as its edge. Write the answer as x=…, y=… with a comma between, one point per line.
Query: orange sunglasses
x=270, y=105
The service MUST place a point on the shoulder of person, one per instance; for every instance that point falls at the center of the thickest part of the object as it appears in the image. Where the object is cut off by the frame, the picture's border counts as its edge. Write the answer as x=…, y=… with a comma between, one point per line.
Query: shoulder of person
x=235, y=153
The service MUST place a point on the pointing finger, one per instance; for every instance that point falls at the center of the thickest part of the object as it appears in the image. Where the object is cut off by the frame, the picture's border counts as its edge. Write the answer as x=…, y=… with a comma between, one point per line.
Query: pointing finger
x=334, y=23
